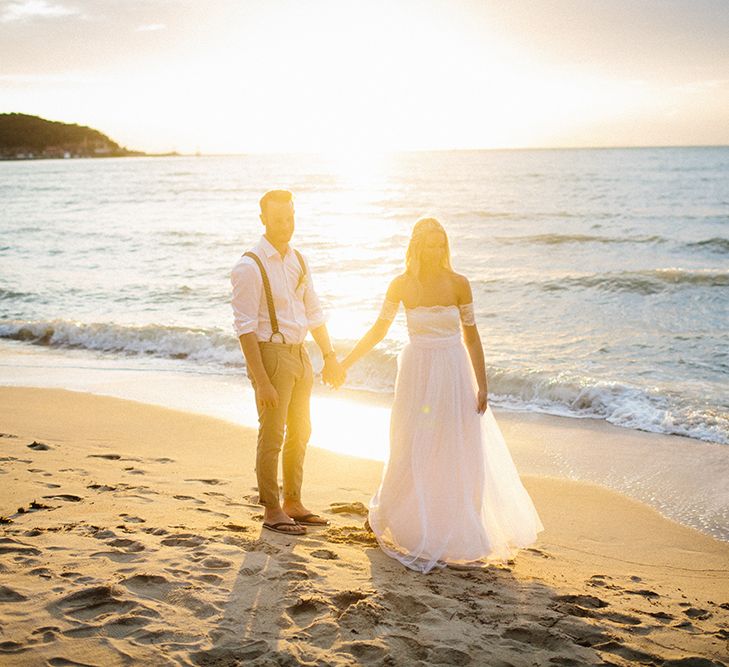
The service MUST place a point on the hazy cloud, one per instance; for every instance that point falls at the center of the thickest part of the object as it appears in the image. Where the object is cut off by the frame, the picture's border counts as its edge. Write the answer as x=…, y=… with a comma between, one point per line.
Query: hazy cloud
x=24, y=10
x=65, y=77
x=151, y=27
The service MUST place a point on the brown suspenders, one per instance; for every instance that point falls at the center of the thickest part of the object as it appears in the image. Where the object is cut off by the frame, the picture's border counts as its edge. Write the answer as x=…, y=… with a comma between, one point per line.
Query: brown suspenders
x=269, y=294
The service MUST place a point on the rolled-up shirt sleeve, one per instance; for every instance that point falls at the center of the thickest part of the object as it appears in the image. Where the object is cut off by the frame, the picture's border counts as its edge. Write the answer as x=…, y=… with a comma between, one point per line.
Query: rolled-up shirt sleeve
x=246, y=296
x=314, y=314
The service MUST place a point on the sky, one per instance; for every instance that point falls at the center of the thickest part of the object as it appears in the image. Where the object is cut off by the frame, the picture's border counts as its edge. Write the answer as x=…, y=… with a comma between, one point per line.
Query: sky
x=237, y=76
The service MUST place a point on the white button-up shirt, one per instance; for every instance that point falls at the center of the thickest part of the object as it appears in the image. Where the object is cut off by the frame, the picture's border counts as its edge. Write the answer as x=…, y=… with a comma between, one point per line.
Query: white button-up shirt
x=296, y=303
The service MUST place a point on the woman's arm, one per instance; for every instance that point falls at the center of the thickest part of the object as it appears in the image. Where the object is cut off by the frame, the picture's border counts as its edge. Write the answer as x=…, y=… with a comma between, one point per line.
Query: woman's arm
x=472, y=341
x=376, y=332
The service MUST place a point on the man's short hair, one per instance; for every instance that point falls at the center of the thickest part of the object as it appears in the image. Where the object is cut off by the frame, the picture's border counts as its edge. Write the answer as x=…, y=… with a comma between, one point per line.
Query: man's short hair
x=279, y=196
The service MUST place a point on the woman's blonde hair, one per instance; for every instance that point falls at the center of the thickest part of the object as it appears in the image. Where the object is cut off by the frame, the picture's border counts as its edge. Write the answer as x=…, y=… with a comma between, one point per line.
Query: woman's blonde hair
x=417, y=239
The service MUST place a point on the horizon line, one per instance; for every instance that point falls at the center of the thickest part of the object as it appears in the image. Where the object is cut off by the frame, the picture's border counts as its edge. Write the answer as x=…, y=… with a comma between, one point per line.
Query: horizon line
x=175, y=153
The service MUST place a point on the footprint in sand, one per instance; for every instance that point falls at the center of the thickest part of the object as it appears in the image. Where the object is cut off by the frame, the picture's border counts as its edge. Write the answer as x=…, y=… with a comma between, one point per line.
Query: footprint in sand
x=92, y=602
x=177, y=572
x=700, y=614
x=306, y=609
x=366, y=651
x=294, y=572
x=39, y=446
x=9, y=545
x=251, y=501
x=446, y=655
x=104, y=534
x=584, y=601
x=183, y=540
x=622, y=619
x=222, y=515
x=153, y=586
x=197, y=501
x=117, y=556
x=236, y=528
x=349, y=508
x=237, y=655
x=49, y=633
x=12, y=647
x=350, y=535
x=642, y=592
x=67, y=497
x=123, y=626
x=184, y=598
x=102, y=488
x=210, y=481
x=539, y=552
x=633, y=656
x=42, y=572
x=214, y=563
x=7, y=594
x=130, y=546
x=405, y=605
x=660, y=615
x=137, y=497
x=345, y=599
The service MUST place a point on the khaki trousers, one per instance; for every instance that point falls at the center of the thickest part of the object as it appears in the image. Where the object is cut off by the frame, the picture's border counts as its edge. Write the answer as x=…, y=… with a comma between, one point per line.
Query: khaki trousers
x=288, y=425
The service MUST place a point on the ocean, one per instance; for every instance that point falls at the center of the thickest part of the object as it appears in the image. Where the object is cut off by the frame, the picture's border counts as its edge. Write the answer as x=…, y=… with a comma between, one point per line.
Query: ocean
x=600, y=277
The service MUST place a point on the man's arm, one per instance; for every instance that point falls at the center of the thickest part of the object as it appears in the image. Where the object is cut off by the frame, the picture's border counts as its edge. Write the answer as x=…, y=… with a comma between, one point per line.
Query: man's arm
x=246, y=282
x=266, y=394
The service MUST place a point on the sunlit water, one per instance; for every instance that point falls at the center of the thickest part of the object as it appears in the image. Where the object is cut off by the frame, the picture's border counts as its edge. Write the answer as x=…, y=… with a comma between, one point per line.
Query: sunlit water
x=600, y=277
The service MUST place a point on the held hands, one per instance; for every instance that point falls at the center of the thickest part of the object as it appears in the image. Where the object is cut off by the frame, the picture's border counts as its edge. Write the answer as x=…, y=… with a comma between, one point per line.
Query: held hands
x=482, y=401
x=333, y=373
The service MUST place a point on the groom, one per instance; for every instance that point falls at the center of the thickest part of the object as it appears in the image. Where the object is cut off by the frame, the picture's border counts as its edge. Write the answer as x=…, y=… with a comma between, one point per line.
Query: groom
x=274, y=307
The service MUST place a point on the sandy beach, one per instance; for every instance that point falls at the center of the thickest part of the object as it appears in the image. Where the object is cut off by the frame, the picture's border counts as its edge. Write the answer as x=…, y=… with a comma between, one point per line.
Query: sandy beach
x=130, y=534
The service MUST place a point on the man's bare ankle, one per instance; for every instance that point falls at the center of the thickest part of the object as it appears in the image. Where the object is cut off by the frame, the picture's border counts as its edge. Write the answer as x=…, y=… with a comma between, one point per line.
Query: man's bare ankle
x=274, y=513
x=295, y=505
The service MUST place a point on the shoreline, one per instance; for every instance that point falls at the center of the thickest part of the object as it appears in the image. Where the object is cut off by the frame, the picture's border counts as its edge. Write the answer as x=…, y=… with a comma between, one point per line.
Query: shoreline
x=685, y=479
x=140, y=551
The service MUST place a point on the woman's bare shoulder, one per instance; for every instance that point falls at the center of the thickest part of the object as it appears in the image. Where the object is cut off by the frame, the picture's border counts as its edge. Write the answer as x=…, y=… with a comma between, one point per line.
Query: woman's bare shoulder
x=462, y=288
x=397, y=287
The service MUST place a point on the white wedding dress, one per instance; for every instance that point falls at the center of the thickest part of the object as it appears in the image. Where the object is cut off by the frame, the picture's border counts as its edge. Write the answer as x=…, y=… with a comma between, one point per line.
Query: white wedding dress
x=450, y=493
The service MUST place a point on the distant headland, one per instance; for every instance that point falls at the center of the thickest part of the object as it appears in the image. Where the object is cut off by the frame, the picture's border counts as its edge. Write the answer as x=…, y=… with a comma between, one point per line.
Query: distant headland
x=25, y=137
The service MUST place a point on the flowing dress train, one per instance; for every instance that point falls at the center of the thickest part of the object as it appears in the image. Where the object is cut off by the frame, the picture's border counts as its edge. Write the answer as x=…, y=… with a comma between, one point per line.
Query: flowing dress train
x=450, y=493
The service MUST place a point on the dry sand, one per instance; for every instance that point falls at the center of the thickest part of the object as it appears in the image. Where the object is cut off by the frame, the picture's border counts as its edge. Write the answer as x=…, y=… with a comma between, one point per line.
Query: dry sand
x=132, y=535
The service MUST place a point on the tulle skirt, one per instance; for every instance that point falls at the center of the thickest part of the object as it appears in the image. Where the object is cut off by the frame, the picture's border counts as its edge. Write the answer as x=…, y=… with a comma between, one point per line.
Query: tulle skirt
x=450, y=493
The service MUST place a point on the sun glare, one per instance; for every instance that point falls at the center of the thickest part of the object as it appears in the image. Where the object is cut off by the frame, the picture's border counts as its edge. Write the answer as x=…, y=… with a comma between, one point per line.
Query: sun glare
x=360, y=78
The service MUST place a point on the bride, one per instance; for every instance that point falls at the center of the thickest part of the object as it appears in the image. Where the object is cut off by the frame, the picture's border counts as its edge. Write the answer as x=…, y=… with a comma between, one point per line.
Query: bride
x=450, y=493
